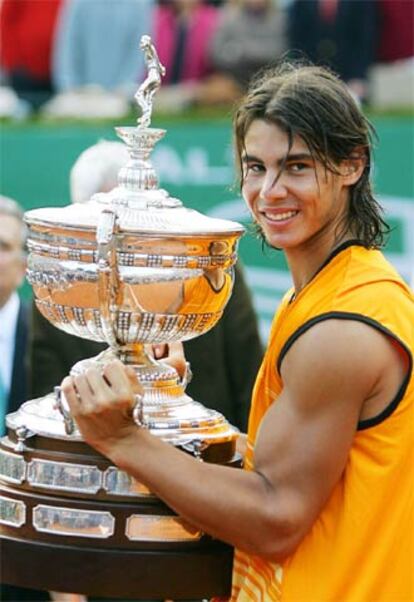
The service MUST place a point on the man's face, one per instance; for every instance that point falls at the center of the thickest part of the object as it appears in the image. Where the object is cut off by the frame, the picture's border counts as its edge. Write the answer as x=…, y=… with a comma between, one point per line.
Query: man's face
x=12, y=263
x=305, y=203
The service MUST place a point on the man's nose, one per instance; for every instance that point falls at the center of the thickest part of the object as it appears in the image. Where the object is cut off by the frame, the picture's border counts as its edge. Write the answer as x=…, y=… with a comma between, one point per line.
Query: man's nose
x=273, y=186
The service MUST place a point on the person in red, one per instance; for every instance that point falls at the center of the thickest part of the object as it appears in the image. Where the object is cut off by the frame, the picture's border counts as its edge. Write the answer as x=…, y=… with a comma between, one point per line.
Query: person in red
x=26, y=33
x=324, y=509
x=396, y=32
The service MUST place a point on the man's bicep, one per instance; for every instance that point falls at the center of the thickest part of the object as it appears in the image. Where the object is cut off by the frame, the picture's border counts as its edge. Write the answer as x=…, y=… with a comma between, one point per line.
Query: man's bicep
x=305, y=437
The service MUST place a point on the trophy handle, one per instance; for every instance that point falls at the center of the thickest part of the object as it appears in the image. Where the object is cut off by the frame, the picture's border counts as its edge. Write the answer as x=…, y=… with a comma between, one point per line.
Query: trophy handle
x=108, y=274
x=65, y=412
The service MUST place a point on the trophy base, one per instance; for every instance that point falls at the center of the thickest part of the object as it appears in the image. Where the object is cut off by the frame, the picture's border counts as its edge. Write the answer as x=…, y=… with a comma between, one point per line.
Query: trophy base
x=71, y=521
x=202, y=572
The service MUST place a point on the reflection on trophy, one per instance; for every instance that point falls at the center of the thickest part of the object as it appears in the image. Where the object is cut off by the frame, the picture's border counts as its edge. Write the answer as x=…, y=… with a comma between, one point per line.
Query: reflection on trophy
x=132, y=268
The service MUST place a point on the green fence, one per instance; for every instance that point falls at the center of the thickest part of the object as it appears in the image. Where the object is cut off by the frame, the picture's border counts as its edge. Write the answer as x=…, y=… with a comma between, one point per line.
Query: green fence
x=195, y=163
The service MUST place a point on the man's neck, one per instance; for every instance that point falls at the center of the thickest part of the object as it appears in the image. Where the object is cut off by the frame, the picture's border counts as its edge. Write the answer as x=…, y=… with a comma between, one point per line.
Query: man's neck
x=305, y=262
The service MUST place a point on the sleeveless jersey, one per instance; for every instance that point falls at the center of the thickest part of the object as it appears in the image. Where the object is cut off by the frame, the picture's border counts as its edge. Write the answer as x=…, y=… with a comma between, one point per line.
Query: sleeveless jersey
x=361, y=547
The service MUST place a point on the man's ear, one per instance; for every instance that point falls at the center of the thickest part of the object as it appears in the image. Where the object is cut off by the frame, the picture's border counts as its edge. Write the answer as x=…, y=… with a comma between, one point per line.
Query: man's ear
x=352, y=168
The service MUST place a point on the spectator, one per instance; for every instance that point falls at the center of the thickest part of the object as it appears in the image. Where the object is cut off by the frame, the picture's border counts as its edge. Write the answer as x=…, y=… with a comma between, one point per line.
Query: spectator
x=14, y=330
x=250, y=35
x=225, y=359
x=96, y=56
x=183, y=31
x=392, y=78
x=396, y=34
x=183, y=34
x=13, y=313
x=26, y=33
x=340, y=34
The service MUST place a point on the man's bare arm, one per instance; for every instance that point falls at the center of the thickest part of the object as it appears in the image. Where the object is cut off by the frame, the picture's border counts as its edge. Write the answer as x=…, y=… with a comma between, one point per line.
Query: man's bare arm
x=300, y=453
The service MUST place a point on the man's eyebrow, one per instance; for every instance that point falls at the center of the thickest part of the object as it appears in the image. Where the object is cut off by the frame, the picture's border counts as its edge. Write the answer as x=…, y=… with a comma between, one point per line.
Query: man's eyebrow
x=297, y=157
x=250, y=158
x=290, y=158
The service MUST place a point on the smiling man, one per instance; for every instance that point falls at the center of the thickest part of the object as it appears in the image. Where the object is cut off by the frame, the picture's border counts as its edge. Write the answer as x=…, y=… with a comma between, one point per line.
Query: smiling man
x=324, y=508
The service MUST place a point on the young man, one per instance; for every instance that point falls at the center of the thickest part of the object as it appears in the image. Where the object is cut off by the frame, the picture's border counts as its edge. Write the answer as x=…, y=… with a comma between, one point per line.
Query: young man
x=324, y=509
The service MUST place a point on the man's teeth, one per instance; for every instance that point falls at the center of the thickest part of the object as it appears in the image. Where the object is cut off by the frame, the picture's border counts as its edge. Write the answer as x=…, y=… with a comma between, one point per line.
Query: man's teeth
x=280, y=216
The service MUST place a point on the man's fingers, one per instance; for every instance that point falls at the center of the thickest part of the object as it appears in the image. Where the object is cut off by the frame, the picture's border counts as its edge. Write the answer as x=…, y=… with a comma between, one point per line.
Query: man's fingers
x=92, y=391
x=116, y=376
x=98, y=385
x=135, y=385
x=71, y=395
x=85, y=392
x=160, y=351
x=176, y=358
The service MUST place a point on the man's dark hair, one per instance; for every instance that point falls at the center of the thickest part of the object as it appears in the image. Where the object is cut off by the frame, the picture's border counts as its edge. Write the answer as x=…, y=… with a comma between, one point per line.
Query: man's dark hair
x=313, y=103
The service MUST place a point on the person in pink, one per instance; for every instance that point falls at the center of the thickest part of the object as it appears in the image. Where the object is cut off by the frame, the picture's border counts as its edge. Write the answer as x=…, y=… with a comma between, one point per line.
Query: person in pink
x=183, y=31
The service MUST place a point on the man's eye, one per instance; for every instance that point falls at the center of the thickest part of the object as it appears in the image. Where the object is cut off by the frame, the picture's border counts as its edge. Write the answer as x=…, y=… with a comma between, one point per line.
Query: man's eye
x=296, y=167
x=254, y=168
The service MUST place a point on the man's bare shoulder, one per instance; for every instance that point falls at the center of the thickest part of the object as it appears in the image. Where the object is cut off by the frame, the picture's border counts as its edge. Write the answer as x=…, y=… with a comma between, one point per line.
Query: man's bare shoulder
x=349, y=359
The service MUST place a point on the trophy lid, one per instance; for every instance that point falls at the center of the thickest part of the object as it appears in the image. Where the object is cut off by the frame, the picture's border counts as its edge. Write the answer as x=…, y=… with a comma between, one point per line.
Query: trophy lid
x=177, y=221
x=138, y=203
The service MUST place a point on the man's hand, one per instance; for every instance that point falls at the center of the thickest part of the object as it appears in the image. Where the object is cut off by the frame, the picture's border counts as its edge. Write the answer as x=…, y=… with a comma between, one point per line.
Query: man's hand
x=102, y=404
x=173, y=355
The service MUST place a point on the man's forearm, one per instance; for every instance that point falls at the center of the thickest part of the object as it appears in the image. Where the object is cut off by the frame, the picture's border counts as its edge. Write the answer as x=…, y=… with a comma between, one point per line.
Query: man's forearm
x=222, y=501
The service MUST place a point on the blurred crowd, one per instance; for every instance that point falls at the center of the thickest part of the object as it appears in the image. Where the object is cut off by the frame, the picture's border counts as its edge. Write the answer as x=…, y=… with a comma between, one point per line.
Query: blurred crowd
x=81, y=58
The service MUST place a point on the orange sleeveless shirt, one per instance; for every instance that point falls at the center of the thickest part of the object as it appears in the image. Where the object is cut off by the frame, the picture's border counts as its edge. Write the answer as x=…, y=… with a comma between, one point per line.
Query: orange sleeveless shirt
x=361, y=547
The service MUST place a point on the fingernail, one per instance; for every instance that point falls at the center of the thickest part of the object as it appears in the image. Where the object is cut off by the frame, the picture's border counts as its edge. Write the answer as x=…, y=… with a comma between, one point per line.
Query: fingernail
x=158, y=351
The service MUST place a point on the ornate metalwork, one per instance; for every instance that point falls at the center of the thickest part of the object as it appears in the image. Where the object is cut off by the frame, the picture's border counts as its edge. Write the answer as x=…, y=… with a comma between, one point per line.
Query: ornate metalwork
x=144, y=527
x=64, y=476
x=12, y=467
x=117, y=482
x=73, y=522
x=151, y=84
x=12, y=512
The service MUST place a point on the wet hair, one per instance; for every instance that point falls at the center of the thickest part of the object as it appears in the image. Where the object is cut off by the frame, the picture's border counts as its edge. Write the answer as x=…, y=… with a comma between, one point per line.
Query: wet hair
x=313, y=103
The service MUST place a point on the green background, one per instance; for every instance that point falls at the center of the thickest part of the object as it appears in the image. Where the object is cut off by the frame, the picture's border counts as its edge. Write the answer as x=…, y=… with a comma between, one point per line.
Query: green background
x=195, y=163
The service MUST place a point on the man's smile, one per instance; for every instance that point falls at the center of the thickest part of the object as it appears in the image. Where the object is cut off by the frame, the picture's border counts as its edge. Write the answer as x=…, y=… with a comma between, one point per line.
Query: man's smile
x=277, y=216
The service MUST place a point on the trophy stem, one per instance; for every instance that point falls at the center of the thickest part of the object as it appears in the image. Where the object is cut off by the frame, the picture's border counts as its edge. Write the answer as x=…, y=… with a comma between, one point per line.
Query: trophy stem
x=135, y=354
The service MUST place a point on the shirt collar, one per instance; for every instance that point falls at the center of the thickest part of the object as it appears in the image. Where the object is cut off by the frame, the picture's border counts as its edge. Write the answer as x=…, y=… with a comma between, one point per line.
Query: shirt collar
x=8, y=317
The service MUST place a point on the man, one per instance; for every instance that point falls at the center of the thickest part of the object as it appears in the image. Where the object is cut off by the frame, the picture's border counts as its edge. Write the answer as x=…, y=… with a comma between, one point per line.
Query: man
x=13, y=314
x=225, y=360
x=13, y=338
x=324, y=509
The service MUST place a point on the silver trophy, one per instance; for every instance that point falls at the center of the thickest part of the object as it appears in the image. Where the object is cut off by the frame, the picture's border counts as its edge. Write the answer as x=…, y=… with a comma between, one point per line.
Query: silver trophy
x=132, y=267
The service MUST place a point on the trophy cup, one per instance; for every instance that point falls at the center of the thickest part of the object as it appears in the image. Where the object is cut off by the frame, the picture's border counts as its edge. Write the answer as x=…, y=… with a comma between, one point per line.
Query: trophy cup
x=132, y=267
